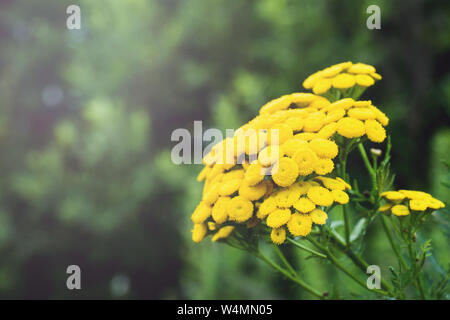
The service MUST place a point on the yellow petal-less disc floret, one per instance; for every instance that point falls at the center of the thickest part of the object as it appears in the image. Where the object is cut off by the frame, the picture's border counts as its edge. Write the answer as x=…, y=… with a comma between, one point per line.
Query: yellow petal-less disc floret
x=393, y=195
x=350, y=128
x=279, y=134
x=278, y=235
x=340, y=196
x=320, y=196
x=364, y=80
x=375, y=131
x=323, y=166
x=306, y=160
x=270, y=155
x=343, y=81
x=240, y=209
x=254, y=174
x=299, y=224
x=253, y=192
x=201, y=213
x=285, y=172
x=400, y=210
x=268, y=206
x=278, y=218
x=324, y=148
x=319, y=216
x=304, y=205
x=219, y=211
x=418, y=204
x=199, y=232
x=223, y=233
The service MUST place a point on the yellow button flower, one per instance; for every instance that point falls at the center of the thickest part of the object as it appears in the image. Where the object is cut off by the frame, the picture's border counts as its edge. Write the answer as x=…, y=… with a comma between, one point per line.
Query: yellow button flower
x=350, y=128
x=361, y=68
x=219, y=211
x=322, y=86
x=304, y=205
x=229, y=187
x=292, y=145
x=343, y=81
x=364, y=80
x=199, y=232
x=299, y=224
x=340, y=196
x=306, y=160
x=285, y=172
x=324, y=148
x=270, y=155
x=278, y=218
x=253, y=192
x=223, y=233
x=268, y=206
x=254, y=174
x=323, y=166
x=375, y=131
x=400, y=210
x=278, y=235
x=279, y=133
x=318, y=216
x=320, y=196
x=240, y=209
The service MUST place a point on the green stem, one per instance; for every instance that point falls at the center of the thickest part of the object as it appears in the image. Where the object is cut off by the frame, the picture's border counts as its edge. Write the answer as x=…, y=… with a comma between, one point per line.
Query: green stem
x=318, y=254
x=340, y=266
x=284, y=260
x=417, y=282
x=295, y=279
x=372, y=172
x=357, y=260
x=392, y=243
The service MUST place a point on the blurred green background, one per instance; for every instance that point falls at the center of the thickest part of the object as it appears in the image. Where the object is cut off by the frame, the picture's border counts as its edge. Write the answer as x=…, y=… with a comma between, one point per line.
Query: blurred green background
x=86, y=118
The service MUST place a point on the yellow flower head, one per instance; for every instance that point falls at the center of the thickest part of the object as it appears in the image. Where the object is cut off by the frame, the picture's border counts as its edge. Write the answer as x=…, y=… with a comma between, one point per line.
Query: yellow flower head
x=350, y=128
x=343, y=81
x=285, y=172
x=361, y=113
x=314, y=122
x=304, y=205
x=418, y=204
x=375, y=131
x=229, y=187
x=400, y=210
x=393, y=195
x=332, y=184
x=299, y=224
x=319, y=216
x=253, y=192
x=322, y=86
x=306, y=160
x=364, y=80
x=292, y=145
x=278, y=218
x=240, y=209
x=254, y=174
x=223, y=233
x=270, y=155
x=199, y=232
x=296, y=123
x=219, y=211
x=201, y=213
x=279, y=133
x=278, y=235
x=340, y=196
x=320, y=196
x=268, y=206
x=324, y=148
x=323, y=166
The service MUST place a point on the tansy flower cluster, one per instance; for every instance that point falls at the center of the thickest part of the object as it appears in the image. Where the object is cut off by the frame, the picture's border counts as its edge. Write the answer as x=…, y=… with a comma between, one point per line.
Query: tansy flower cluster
x=342, y=76
x=298, y=206
x=402, y=202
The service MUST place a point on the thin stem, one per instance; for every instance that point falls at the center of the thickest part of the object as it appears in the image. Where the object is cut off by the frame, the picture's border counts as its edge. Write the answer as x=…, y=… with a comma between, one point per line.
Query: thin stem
x=416, y=281
x=340, y=266
x=284, y=260
x=346, y=224
x=298, y=245
x=357, y=260
x=392, y=243
x=372, y=173
x=296, y=279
